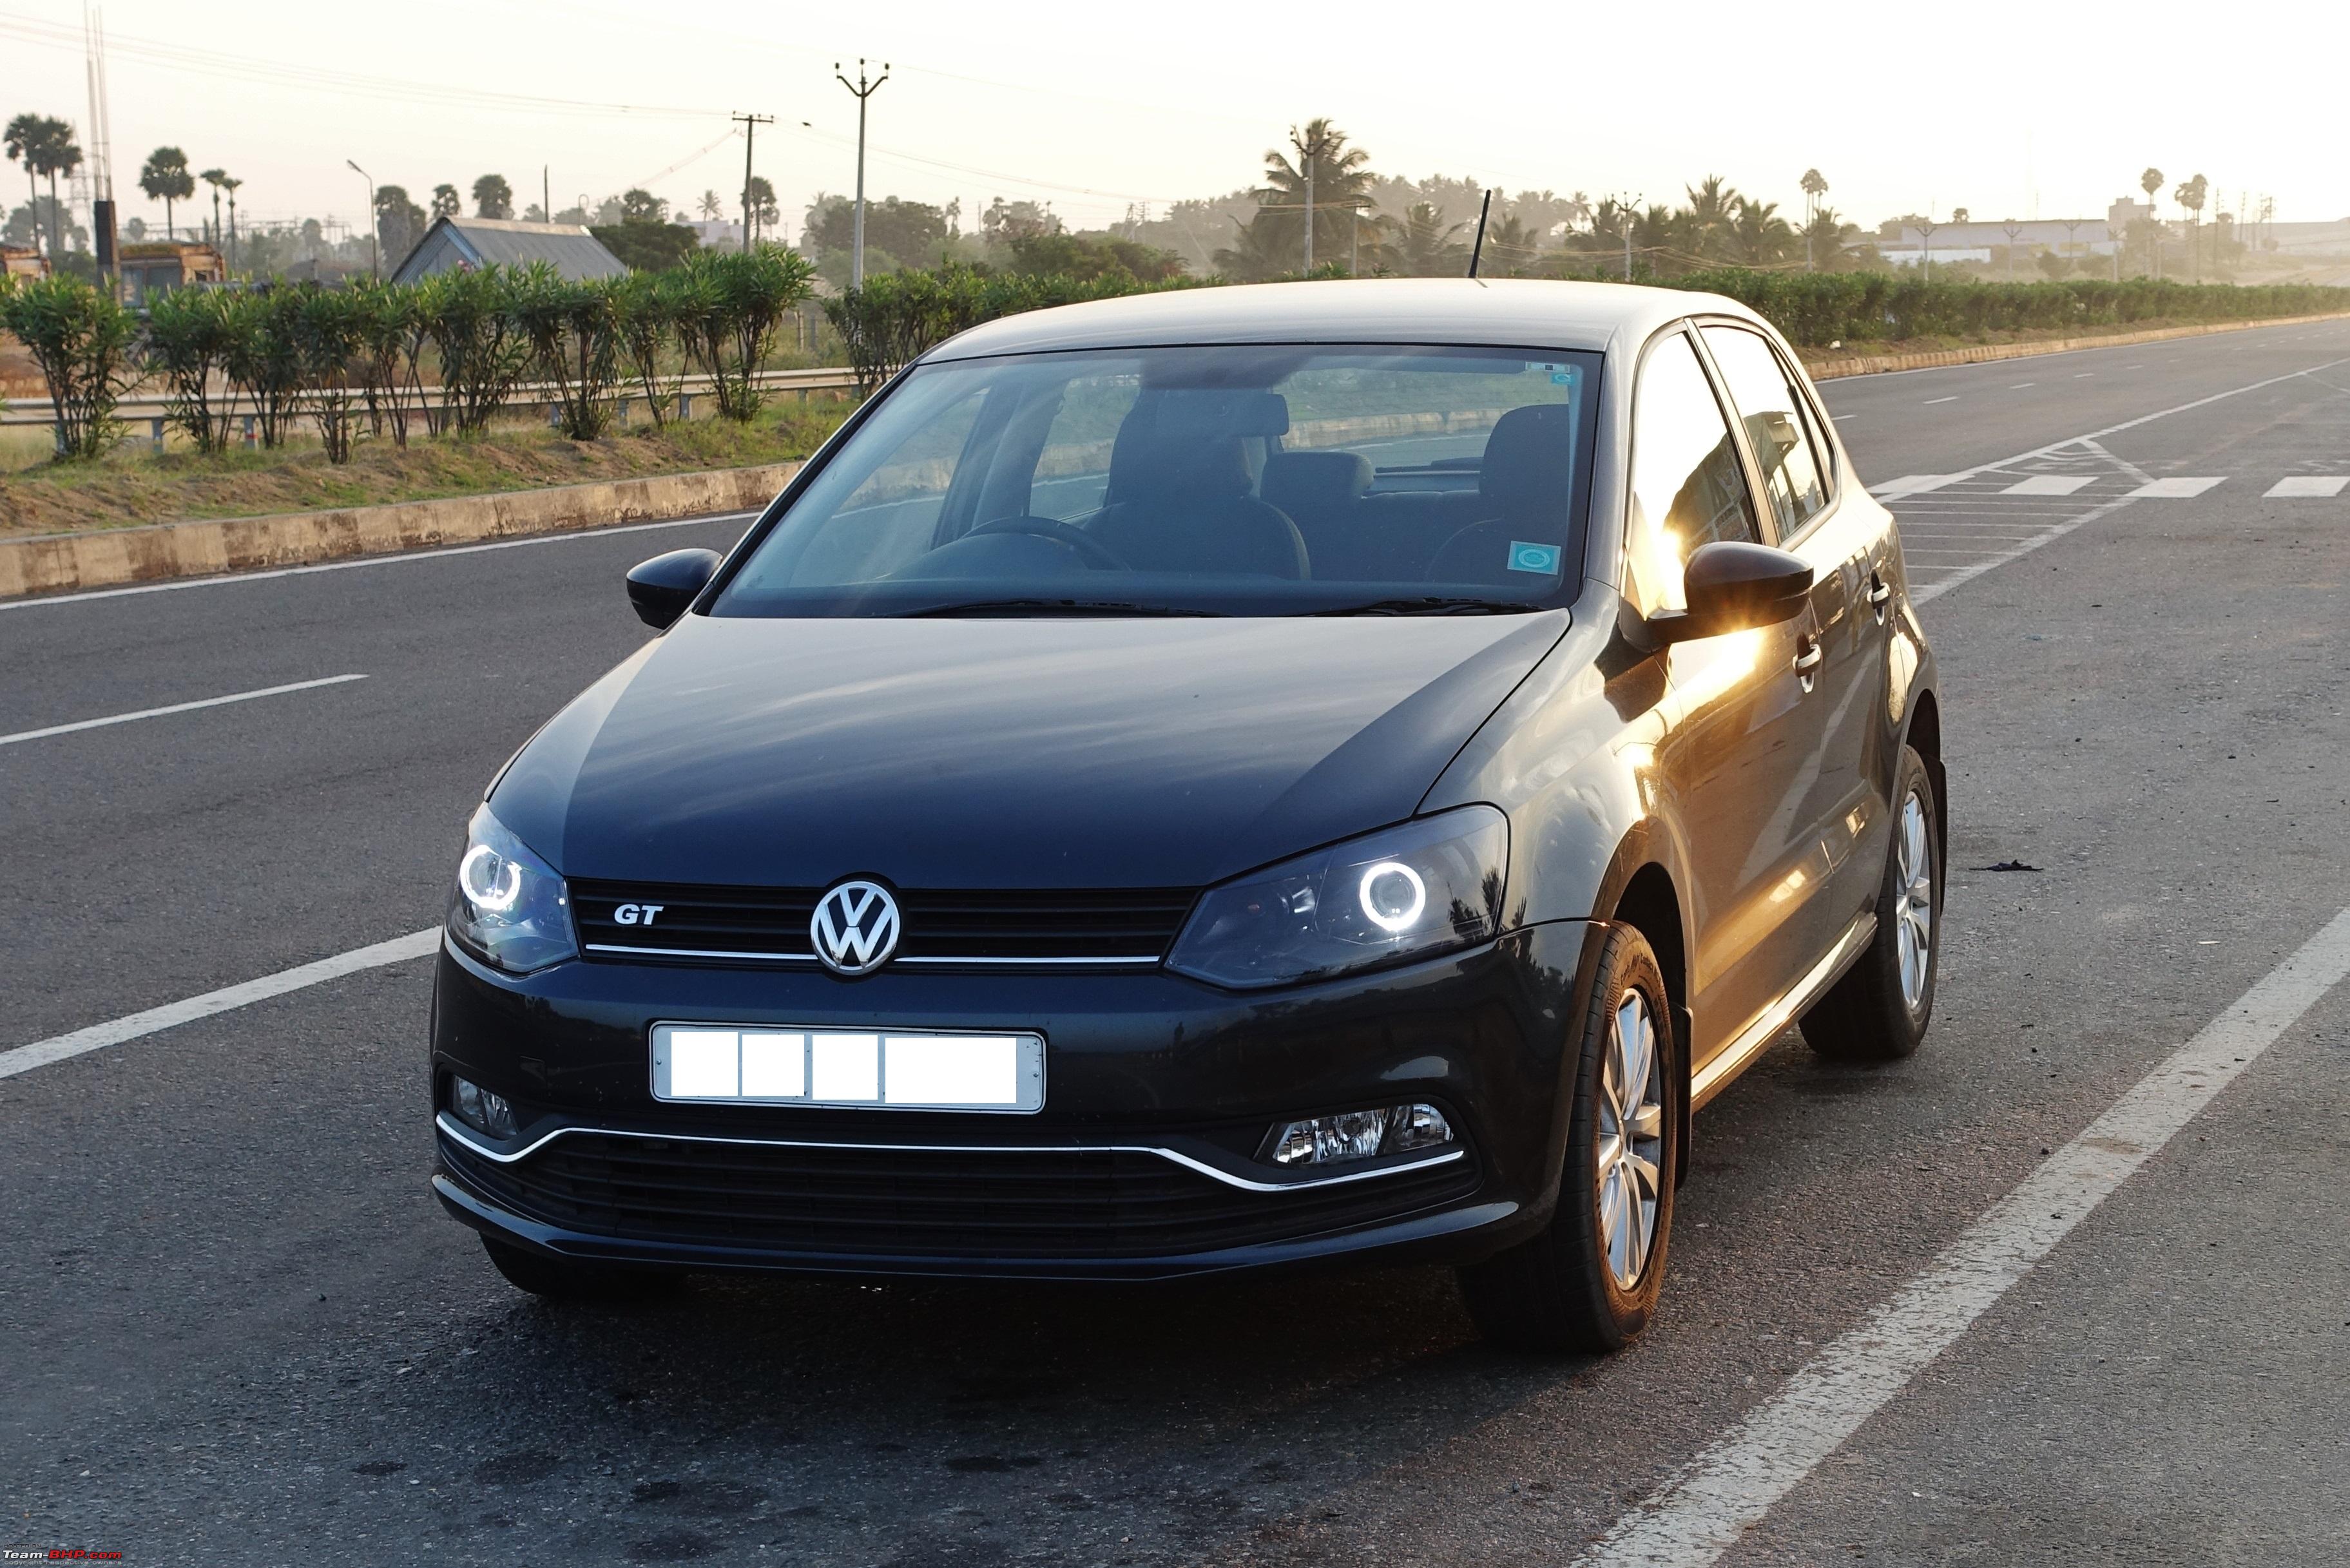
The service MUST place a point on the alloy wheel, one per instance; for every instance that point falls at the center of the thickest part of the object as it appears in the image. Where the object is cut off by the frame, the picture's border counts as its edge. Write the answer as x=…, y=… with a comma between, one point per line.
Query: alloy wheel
x=1631, y=1140
x=1915, y=917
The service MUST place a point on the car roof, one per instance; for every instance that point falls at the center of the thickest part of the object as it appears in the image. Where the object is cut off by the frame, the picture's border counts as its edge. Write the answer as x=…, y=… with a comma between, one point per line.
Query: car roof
x=1500, y=312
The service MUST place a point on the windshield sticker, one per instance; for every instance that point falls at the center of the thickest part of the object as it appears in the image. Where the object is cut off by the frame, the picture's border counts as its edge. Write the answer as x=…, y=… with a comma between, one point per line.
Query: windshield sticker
x=1525, y=557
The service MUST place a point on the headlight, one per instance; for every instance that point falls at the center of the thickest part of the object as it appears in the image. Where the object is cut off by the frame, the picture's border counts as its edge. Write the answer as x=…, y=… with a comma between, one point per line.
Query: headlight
x=1402, y=893
x=508, y=908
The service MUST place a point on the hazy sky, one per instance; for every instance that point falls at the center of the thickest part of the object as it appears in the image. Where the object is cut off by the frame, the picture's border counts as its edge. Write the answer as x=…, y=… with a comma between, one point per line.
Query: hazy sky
x=1092, y=105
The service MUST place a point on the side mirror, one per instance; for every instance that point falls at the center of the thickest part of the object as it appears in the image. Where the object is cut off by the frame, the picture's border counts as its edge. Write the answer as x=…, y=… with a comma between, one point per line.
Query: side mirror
x=1732, y=586
x=665, y=587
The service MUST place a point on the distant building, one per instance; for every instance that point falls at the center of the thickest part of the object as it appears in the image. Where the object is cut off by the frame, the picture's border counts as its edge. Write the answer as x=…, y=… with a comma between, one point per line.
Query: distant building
x=2075, y=237
x=451, y=244
x=23, y=261
x=163, y=266
x=719, y=233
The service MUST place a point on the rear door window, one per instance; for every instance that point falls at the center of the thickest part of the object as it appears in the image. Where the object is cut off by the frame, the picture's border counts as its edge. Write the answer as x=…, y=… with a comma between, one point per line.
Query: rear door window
x=1688, y=487
x=1776, y=425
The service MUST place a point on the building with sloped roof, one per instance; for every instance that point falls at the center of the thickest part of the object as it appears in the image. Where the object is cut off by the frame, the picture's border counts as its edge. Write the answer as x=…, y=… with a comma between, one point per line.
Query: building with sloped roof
x=454, y=243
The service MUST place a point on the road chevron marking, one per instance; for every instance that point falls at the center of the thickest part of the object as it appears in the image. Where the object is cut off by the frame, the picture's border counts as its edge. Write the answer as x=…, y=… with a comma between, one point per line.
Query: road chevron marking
x=170, y=1015
x=1702, y=1512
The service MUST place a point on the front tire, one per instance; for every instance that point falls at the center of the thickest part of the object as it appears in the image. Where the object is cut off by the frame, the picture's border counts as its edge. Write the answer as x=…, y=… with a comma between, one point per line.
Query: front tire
x=1879, y=1010
x=1590, y=1281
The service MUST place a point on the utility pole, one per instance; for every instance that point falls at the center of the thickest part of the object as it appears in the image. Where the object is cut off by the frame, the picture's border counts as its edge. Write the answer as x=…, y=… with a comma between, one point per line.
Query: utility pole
x=375, y=246
x=2010, y=229
x=751, y=123
x=862, y=90
x=545, y=196
x=1926, y=230
x=1629, y=208
x=1309, y=212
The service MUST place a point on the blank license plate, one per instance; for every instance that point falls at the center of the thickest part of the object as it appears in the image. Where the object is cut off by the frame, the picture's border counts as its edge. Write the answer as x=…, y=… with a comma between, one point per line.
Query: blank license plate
x=892, y=1069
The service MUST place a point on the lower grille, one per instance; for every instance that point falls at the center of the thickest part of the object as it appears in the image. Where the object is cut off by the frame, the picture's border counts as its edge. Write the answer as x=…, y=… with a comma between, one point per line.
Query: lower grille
x=1015, y=1203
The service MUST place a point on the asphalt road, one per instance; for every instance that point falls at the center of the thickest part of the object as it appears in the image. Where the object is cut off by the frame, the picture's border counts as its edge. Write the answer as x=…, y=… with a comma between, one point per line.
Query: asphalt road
x=236, y=1329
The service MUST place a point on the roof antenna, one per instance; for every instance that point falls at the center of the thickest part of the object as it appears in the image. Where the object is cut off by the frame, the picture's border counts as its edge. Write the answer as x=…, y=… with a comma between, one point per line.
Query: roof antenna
x=1478, y=253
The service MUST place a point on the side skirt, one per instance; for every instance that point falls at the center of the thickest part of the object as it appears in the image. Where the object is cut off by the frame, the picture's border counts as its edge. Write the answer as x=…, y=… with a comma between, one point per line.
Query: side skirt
x=1739, y=1054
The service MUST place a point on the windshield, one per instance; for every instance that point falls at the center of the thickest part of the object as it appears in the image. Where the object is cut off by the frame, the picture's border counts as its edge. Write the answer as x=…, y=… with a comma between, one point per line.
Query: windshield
x=1256, y=480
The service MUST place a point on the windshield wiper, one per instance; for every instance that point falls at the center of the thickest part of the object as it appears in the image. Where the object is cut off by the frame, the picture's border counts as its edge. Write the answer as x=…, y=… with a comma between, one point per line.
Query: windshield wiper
x=1436, y=604
x=1053, y=607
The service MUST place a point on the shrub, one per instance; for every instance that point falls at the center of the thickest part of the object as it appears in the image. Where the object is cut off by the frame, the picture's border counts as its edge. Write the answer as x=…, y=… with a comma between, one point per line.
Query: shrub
x=85, y=343
x=335, y=335
x=188, y=341
x=573, y=329
x=265, y=358
x=649, y=304
x=469, y=316
x=730, y=305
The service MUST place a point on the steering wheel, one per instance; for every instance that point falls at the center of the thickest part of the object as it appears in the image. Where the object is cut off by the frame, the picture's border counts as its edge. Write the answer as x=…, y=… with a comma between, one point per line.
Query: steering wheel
x=1090, y=550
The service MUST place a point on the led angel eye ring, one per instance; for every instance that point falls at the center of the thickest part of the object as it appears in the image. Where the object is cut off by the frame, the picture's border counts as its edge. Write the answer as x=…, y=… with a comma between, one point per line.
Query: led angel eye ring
x=500, y=896
x=1381, y=912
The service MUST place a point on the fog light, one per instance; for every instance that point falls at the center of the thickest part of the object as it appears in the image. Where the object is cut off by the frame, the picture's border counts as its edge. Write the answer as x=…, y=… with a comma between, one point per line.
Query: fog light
x=482, y=1111
x=1359, y=1135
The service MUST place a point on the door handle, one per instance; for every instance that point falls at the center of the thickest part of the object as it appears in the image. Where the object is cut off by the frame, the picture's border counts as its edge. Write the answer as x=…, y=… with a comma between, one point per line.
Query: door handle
x=1880, y=594
x=1809, y=657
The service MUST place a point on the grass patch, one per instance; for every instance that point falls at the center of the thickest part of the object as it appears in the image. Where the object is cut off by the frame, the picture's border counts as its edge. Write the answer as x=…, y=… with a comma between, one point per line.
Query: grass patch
x=138, y=485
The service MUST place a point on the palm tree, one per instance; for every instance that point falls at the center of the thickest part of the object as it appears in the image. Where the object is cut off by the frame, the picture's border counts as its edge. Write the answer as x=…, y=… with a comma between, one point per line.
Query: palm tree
x=711, y=207
x=24, y=139
x=446, y=202
x=1758, y=236
x=165, y=178
x=493, y=197
x=214, y=177
x=1711, y=206
x=1510, y=244
x=1425, y=244
x=2151, y=182
x=61, y=154
x=2191, y=196
x=229, y=184
x=1321, y=173
x=1826, y=235
x=1257, y=254
x=1816, y=186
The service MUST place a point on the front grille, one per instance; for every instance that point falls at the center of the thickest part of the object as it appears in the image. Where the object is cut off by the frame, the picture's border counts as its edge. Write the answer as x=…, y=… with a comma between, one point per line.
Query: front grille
x=1076, y=1204
x=766, y=925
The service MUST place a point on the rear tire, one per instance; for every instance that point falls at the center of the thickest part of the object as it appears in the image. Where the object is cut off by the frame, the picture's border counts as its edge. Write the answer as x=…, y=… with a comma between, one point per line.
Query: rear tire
x=568, y=1280
x=1589, y=1281
x=1879, y=1010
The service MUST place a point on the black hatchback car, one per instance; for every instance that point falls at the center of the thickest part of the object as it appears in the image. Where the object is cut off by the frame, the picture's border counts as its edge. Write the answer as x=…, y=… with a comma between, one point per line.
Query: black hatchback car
x=1226, y=779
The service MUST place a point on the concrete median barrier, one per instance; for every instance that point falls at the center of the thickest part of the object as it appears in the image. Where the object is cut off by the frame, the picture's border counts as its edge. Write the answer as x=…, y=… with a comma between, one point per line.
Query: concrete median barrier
x=65, y=562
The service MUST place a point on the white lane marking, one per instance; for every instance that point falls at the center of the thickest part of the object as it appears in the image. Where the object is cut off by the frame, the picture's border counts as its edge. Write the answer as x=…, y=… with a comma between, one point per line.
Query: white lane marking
x=2083, y=375
x=1951, y=399
x=2305, y=485
x=1912, y=484
x=2021, y=385
x=2051, y=485
x=98, y=1036
x=176, y=707
x=1703, y=1510
x=1993, y=563
x=2175, y=489
x=397, y=558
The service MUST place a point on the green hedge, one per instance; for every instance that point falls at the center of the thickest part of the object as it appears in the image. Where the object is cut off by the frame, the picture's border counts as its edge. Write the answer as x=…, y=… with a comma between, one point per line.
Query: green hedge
x=896, y=315
x=293, y=351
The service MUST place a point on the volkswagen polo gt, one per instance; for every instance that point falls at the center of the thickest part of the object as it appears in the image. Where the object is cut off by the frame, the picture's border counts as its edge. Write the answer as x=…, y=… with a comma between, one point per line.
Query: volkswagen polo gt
x=1237, y=778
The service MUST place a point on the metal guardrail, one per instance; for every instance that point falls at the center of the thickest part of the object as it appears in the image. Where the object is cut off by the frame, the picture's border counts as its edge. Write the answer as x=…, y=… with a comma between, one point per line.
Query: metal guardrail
x=149, y=410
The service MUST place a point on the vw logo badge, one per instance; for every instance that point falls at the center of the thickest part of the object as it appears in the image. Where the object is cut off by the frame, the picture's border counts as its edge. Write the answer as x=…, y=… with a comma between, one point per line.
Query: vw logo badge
x=855, y=927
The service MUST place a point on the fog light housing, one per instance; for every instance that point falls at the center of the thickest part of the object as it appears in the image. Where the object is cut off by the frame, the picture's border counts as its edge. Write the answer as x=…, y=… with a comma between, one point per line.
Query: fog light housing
x=484, y=1112
x=1360, y=1134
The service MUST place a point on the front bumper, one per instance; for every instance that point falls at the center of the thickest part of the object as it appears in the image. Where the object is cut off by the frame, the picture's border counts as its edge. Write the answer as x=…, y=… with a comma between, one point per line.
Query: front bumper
x=1143, y=1163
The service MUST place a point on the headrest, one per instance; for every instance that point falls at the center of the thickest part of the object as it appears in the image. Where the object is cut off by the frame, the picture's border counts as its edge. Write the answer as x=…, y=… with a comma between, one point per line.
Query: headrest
x=1160, y=466
x=1187, y=441
x=1529, y=461
x=1314, y=479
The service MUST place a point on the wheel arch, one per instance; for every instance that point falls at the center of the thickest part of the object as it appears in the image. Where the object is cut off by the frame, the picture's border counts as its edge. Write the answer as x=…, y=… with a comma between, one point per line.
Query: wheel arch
x=1651, y=903
x=1924, y=735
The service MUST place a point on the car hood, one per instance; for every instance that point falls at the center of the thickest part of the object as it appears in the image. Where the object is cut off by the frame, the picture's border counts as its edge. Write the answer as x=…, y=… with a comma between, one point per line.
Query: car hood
x=1021, y=753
